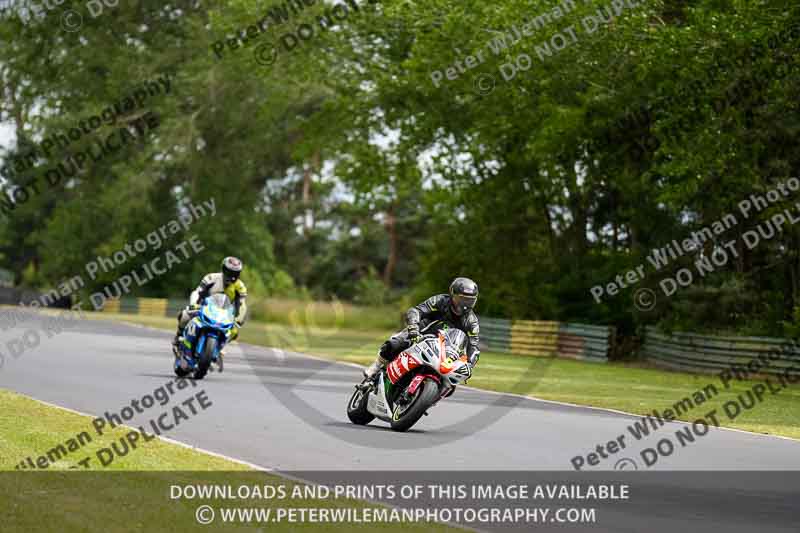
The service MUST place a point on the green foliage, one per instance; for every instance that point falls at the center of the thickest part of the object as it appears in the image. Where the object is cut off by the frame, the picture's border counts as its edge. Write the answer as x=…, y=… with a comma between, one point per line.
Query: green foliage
x=791, y=328
x=343, y=172
x=370, y=290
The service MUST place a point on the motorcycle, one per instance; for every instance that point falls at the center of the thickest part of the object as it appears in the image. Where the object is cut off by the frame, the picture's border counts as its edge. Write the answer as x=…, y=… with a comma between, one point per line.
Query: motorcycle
x=204, y=337
x=413, y=382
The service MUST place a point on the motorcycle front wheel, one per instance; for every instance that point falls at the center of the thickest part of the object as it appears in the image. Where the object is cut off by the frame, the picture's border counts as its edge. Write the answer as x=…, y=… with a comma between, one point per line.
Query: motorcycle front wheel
x=405, y=416
x=357, y=408
x=205, y=358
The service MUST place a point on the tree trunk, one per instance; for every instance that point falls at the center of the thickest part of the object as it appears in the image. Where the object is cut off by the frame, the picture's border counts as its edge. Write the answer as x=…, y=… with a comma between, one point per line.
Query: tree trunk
x=577, y=207
x=391, y=262
x=308, y=217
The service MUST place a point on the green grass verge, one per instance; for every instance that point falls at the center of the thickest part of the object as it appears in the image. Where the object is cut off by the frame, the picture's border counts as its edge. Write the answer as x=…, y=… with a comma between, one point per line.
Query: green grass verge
x=133, y=493
x=324, y=314
x=30, y=428
x=632, y=388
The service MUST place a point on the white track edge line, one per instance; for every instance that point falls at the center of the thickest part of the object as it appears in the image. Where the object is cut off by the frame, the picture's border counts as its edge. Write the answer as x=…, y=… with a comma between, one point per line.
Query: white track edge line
x=254, y=466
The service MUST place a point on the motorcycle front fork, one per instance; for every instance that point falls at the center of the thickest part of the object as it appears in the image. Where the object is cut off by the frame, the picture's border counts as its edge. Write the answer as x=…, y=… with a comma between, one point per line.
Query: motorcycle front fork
x=367, y=385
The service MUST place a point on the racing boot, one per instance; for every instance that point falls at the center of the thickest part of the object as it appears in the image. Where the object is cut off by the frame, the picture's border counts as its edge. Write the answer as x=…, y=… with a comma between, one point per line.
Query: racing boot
x=176, y=344
x=221, y=356
x=376, y=366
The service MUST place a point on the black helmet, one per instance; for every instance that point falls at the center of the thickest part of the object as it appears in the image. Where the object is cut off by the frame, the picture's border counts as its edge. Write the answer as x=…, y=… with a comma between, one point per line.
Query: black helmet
x=231, y=270
x=463, y=295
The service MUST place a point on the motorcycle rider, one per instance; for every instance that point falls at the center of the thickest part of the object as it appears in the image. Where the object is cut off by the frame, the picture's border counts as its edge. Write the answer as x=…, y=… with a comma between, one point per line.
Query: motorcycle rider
x=454, y=310
x=226, y=282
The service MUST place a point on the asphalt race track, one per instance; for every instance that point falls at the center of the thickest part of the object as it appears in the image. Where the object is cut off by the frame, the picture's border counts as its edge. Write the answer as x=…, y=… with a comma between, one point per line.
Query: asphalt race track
x=287, y=412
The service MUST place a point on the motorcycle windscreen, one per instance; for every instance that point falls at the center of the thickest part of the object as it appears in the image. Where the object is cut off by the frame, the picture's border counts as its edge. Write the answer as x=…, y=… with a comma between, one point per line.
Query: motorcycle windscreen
x=456, y=341
x=219, y=310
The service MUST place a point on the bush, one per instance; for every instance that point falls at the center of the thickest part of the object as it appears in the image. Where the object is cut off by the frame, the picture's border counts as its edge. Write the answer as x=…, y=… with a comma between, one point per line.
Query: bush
x=791, y=328
x=370, y=290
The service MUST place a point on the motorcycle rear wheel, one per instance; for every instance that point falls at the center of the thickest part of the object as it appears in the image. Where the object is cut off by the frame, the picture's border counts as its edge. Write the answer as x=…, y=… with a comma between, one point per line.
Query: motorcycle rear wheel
x=357, y=408
x=405, y=416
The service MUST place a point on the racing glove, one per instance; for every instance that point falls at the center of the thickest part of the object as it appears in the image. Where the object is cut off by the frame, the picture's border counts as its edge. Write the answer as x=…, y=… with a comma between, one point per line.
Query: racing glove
x=233, y=334
x=413, y=333
x=473, y=360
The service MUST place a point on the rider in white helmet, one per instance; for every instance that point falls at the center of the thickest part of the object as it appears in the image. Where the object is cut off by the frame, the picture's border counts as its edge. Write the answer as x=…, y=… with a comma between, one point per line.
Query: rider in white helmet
x=226, y=282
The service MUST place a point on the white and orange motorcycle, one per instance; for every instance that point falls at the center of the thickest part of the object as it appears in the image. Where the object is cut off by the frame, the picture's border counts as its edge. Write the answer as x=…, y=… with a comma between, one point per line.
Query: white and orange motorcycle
x=413, y=382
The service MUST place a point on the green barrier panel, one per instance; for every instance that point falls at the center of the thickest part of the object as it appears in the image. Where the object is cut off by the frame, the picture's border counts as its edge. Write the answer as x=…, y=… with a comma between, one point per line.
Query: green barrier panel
x=496, y=334
x=174, y=306
x=714, y=354
x=129, y=305
x=546, y=338
x=522, y=337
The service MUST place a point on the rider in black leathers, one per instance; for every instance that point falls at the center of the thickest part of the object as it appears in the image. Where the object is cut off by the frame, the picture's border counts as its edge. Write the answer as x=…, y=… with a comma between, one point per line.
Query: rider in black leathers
x=453, y=310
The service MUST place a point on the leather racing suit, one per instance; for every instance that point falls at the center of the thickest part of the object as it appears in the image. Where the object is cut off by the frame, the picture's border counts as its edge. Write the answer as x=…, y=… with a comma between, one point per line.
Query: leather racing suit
x=212, y=284
x=434, y=314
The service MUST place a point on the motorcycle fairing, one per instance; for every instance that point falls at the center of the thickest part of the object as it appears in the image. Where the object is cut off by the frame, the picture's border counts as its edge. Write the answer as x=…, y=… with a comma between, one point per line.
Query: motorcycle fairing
x=194, y=337
x=215, y=318
x=402, y=365
x=429, y=351
x=377, y=404
x=190, y=334
x=418, y=379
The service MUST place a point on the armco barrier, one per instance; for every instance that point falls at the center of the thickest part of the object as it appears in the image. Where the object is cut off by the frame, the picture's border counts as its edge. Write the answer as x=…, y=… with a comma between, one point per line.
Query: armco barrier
x=713, y=354
x=545, y=338
x=144, y=306
x=20, y=296
x=523, y=337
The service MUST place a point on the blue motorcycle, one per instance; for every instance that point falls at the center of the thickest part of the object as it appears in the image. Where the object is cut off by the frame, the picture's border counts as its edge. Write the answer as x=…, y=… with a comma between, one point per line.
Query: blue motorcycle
x=204, y=337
